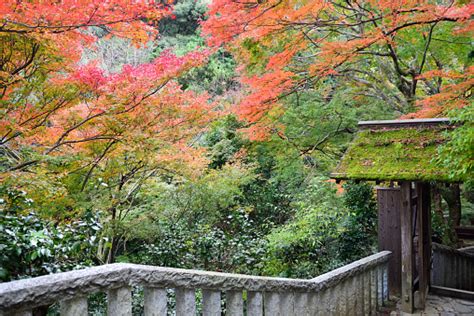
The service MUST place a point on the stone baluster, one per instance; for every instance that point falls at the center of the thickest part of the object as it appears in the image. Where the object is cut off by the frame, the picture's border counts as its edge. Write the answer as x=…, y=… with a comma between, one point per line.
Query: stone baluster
x=373, y=290
x=336, y=298
x=185, y=302
x=352, y=295
x=366, y=278
x=370, y=280
x=119, y=302
x=344, y=309
x=349, y=290
x=271, y=303
x=156, y=301
x=379, y=287
x=235, y=303
x=254, y=303
x=287, y=303
x=315, y=299
x=324, y=302
x=385, y=283
x=302, y=304
x=211, y=303
x=73, y=307
x=360, y=294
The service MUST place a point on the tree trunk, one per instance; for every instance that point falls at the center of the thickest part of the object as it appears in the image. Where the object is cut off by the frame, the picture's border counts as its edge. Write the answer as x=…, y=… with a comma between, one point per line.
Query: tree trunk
x=437, y=201
x=112, y=251
x=452, y=196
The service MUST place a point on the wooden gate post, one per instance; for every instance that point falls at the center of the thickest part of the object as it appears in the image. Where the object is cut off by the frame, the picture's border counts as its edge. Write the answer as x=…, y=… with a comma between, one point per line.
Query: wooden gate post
x=406, y=227
x=424, y=239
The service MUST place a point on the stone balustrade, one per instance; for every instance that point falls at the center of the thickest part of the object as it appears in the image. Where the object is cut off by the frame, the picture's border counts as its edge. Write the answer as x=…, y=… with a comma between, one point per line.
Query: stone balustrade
x=355, y=289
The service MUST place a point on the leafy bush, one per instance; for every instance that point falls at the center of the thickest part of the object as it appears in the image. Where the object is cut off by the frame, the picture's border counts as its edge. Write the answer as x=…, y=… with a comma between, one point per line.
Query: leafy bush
x=457, y=154
x=308, y=244
x=327, y=231
x=43, y=247
x=233, y=245
x=359, y=235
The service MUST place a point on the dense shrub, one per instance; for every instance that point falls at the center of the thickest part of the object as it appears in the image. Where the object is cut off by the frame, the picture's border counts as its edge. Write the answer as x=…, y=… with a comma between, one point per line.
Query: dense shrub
x=31, y=246
x=233, y=245
x=359, y=235
x=327, y=231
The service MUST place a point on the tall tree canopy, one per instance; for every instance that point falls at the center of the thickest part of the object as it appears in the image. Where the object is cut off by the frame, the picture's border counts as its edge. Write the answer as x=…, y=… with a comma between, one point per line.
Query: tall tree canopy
x=54, y=102
x=415, y=56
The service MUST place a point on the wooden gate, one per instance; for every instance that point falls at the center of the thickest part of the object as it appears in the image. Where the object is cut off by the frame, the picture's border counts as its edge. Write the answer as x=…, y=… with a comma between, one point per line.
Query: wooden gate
x=405, y=230
x=416, y=244
x=389, y=237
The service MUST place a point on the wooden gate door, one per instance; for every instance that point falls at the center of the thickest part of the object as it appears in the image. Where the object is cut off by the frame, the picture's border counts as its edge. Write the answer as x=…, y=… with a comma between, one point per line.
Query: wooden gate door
x=389, y=236
x=415, y=224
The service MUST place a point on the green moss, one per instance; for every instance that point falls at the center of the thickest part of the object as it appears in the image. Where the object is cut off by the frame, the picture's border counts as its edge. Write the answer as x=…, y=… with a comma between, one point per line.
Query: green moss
x=395, y=154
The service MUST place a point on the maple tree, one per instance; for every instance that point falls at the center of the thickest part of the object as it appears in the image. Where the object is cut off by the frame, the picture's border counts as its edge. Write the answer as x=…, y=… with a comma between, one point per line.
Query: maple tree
x=77, y=135
x=56, y=104
x=415, y=56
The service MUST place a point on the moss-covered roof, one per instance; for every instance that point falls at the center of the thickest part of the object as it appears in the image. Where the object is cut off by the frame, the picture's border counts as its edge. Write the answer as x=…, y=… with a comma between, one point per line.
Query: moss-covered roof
x=396, y=150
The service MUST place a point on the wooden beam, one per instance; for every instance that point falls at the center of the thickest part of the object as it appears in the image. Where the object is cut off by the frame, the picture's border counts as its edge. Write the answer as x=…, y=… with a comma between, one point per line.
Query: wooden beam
x=424, y=239
x=406, y=227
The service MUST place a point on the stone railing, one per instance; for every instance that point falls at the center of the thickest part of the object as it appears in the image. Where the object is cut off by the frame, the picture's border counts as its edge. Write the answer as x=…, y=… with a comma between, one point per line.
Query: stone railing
x=452, y=268
x=355, y=289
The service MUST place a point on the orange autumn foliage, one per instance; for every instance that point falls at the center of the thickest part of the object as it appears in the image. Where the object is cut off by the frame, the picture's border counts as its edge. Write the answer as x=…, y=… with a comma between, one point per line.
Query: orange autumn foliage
x=57, y=105
x=300, y=42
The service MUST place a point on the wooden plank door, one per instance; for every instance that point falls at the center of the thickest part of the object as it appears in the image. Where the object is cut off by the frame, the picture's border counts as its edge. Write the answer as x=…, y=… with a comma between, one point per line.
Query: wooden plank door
x=389, y=235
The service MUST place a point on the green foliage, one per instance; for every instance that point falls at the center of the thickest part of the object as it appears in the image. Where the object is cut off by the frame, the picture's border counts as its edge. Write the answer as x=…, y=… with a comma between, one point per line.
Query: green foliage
x=232, y=244
x=256, y=55
x=457, y=155
x=327, y=231
x=180, y=33
x=185, y=20
x=359, y=235
x=441, y=230
x=280, y=179
x=307, y=245
x=216, y=77
x=223, y=141
x=31, y=246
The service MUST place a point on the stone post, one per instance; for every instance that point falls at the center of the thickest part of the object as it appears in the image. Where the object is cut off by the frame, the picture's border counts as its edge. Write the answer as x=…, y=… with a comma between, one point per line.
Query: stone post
x=211, y=303
x=156, y=301
x=119, y=302
x=235, y=303
x=254, y=303
x=76, y=306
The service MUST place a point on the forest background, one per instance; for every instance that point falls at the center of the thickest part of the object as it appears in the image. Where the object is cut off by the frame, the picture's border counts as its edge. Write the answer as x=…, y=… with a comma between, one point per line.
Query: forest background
x=205, y=139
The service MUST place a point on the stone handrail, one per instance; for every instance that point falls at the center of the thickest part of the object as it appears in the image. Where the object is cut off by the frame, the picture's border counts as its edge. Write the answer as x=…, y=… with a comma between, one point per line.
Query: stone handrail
x=355, y=289
x=452, y=268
